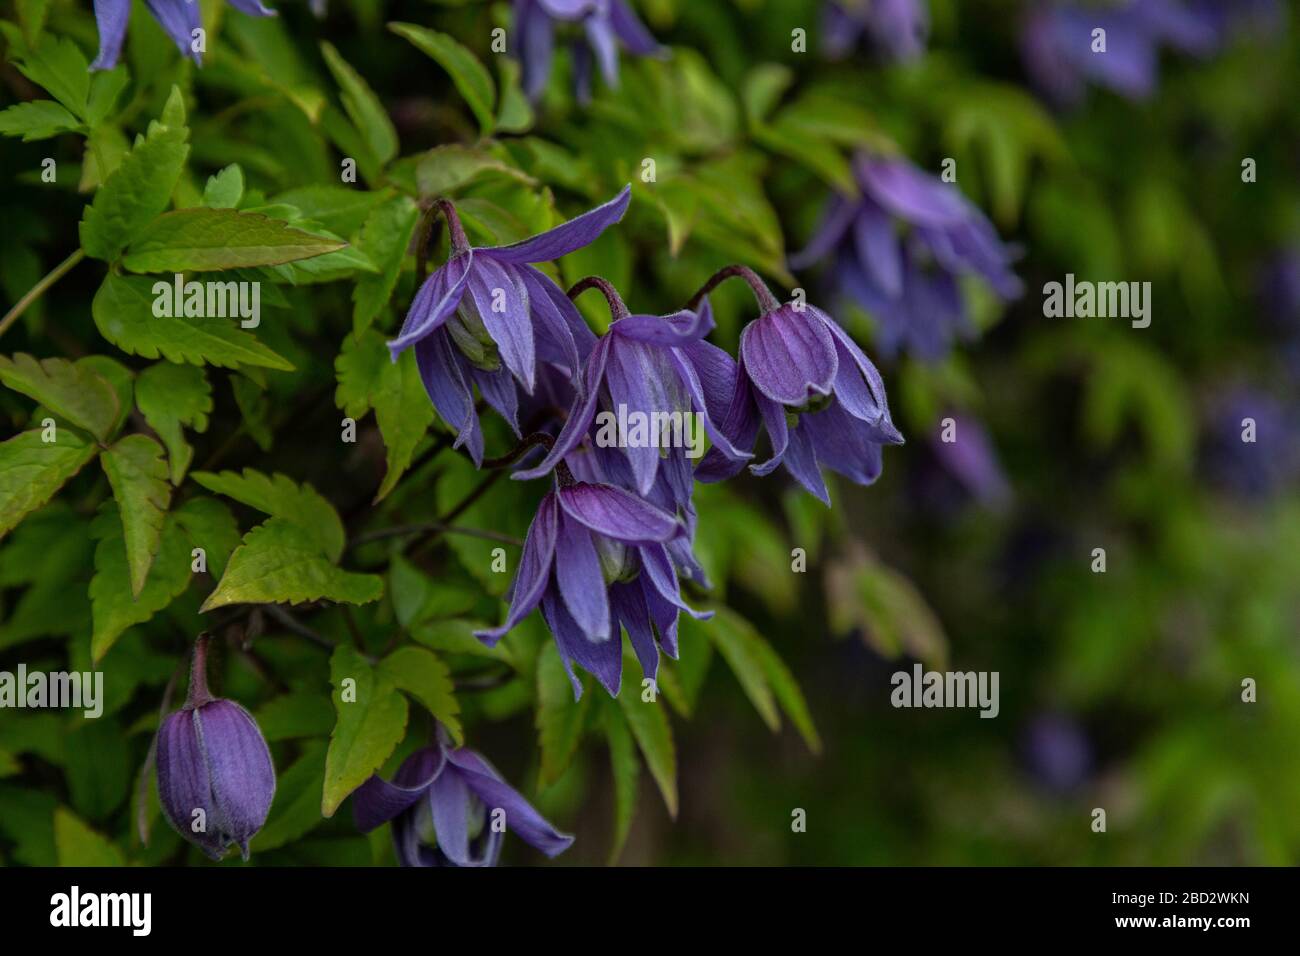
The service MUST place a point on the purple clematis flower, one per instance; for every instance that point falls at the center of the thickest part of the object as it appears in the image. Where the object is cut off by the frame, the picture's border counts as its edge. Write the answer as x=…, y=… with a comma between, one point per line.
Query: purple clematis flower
x=442, y=802
x=1058, y=45
x=487, y=317
x=899, y=250
x=897, y=29
x=215, y=777
x=971, y=459
x=645, y=370
x=1057, y=752
x=596, y=557
x=604, y=23
x=178, y=18
x=818, y=396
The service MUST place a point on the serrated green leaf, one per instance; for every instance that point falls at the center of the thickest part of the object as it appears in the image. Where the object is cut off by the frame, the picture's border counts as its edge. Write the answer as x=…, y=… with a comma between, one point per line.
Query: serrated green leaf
x=359, y=367
x=281, y=497
x=169, y=396
x=560, y=718
x=737, y=642
x=384, y=238
x=74, y=392
x=55, y=63
x=470, y=76
x=76, y=844
x=113, y=609
x=280, y=563
x=201, y=240
x=224, y=189
x=362, y=106
x=123, y=313
x=209, y=525
x=787, y=692
x=32, y=470
x=137, y=191
x=425, y=677
x=138, y=475
x=37, y=119
x=105, y=88
x=649, y=724
x=371, y=722
x=626, y=770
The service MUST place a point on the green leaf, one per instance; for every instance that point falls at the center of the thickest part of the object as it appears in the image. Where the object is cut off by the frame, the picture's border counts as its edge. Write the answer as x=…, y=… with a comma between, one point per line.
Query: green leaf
x=654, y=735
x=123, y=313
x=112, y=607
x=425, y=677
x=209, y=525
x=201, y=240
x=296, y=809
x=105, y=88
x=787, y=692
x=281, y=497
x=138, y=474
x=37, y=119
x=736, y=640
x=78, y=845
x=384, y=239
x=74, y=392
x=362, y=106
x=56, y=63
x=169, y=396
x=32, y=470
x=371, y=722
x=470, y=76
x=225, y=189
x=626, y=770
x=137, y=191
x=560, y=718
x=280, y=563
x=297, y=714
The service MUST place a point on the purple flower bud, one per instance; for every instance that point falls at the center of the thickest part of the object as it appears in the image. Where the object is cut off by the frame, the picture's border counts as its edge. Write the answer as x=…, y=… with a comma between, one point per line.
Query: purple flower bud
x=215, y=778
x=178, y=18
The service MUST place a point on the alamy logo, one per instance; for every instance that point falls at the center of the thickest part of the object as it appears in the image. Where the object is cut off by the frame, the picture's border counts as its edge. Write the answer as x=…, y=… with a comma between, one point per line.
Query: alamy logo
x=134, y=910
x=636, y=429
x=210, y=299
x=58, y=690
x=1104, y=300
x=923, y=688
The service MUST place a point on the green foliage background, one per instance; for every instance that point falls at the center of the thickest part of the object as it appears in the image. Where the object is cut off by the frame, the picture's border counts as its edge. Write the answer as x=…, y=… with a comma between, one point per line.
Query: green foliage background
x=201, y=434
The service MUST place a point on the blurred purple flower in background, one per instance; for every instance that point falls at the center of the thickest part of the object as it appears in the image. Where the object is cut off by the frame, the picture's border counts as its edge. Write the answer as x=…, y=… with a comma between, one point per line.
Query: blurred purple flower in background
x=215, y=777
x=1255, y=468
x=488, y=317
x=1279, y=290
x=1057, y=752
x=896, y=29
x=899, y=249
x=971, y=459
x=604, y=24
x=441, y=802
x=178, y=18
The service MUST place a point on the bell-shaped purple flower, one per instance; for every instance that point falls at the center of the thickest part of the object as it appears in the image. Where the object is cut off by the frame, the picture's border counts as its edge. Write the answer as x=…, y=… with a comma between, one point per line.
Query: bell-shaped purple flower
x=488, y=317
x=896, y=29
x=215, y=777
x=965, y=452
x=644, y=371
x=602, y=26
x=597, y=557
x=178, y=18
x=899, y=249
x=807, y=383
x=1063, y=52
x=449, y=807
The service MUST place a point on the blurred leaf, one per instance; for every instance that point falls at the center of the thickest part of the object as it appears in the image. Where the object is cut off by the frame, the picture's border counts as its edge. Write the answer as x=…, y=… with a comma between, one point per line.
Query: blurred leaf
x=654, y=735
x=626, y=770
x=362, y=106
x=470, y=76
x=78, y=845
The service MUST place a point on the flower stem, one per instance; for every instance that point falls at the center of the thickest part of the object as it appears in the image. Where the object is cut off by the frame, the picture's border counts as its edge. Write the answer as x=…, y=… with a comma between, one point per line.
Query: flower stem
x=562, y=473
x=617, y=309
x=198, y=694
x=766, y=301
x=36, y=291
x=429, y=231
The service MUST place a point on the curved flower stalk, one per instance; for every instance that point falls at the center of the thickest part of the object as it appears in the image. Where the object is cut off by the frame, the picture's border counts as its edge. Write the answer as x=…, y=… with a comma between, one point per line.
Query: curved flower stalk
x=604, y=23
x=442, y=801
x=215, y=777
x=596, y=558
x=899, y=249
x=488, y=317
x=643, y=367
x=178, y=18
x=897, y=29
x=818, y=396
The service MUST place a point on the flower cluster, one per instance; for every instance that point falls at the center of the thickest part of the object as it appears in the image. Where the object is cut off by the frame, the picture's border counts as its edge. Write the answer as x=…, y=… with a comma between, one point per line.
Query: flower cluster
x=895, y=29
x=611, y=541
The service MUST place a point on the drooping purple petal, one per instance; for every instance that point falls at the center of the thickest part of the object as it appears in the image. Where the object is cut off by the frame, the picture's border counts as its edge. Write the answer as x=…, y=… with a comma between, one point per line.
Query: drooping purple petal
x=500, y=391
x=789, y=356
x=878, y=248
x=179, y=19
x=111, y=17
x=449, y=804
x=835, y=223
x=568, y=236
x=681, y=328
x=631, y=31
x=580, y=414
x=449, y=391
x=520, y=816
x=603, y=659
x=534, y=568
x=628, y=602
x=617, y=514
x=563, y=338
x=844, y=444
x=800, y=459
x=434, y=303
x=605, y=45
x=253, y=8
x=535, y=46
x=778, y=433
x=582, y=586
x=499, y=297
x=378, y=800
x=911, y=194
x=659, y=567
